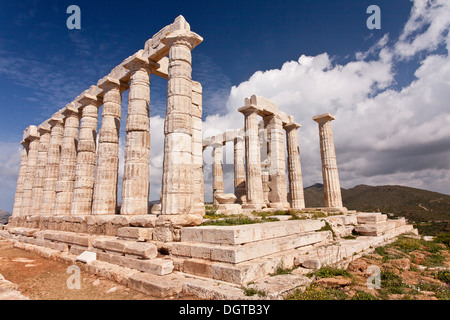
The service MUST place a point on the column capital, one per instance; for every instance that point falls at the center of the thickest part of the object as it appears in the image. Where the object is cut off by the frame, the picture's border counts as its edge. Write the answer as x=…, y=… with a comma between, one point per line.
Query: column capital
x=248, y=110
x=186, y=37
x=55, y=119
x=31, y=133
x=291, y=126
x=88, y=99
x=69, y=109
x=108, y=82
x=44, y=127
x=323, y=118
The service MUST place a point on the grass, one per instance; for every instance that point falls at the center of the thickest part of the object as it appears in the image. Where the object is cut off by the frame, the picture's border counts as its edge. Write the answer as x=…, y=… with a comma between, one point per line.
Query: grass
x=391, y=283
x=248, y=291
x=329, y=272
x=444, y=276
x=282, y=270
x=442, y=292
x=318, y=292
x=362, y=295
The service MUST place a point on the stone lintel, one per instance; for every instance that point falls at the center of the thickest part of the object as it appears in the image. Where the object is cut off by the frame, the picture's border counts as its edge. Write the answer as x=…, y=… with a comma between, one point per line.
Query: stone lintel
x=139, y=59
x=223, y=138
x=323, y=118
x=31, y=133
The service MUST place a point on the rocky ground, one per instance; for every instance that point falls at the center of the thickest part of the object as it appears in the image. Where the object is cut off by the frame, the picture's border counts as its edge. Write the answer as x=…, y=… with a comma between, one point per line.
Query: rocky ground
x=28, y=275
x=409, y=269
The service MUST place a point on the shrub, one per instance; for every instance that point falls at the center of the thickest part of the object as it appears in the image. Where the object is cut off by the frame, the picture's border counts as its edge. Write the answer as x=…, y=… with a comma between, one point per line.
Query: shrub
x=329, y=272
x=318, y=292
x=443, y=238
x=362, y=295
x=444, y=276
x=392, y=282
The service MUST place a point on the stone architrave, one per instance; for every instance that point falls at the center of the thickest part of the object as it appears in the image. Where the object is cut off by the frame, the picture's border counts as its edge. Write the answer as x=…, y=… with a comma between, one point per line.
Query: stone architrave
x=41, y=167
x=255, y=194
x=197, y=148
x=239, y=170
x=177, y=180
x=277, y=195
x=52, y=168
x=106, y=175
x=18, y=198
x=217, y=170
x=31, y=134
x=135, y=187
x=297, y=198
x=68, y=160
x=85, y=166
x=332, y=189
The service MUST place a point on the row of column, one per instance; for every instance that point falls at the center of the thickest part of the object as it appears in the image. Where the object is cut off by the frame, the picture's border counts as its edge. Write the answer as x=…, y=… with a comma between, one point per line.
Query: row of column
x=63, y=171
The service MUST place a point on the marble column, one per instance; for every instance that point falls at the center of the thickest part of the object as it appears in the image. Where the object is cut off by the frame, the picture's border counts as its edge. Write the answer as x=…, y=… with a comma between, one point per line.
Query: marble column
x=52, y=168
x=217, y=170
x=41, y=167
x=277, y=162
x=177, y=180
x=239, y=170
x=332, y=189
x=197, y=149
x=68, y=160
x=105, y=186
x=296, y=195
x=135, y=186
x=85, y=165
x=255, y=194
x=18, y=198
x=31, y=134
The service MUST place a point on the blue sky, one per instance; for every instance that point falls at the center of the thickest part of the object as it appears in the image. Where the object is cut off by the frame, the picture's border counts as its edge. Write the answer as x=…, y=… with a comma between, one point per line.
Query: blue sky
x=309, y=57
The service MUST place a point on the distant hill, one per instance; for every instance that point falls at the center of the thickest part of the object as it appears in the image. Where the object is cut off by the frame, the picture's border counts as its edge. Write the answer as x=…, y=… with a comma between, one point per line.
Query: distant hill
x=4, y=216
x=416, y=205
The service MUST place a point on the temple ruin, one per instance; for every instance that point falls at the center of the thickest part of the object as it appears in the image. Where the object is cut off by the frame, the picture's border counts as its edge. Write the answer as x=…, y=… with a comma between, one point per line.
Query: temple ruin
x=66, y=204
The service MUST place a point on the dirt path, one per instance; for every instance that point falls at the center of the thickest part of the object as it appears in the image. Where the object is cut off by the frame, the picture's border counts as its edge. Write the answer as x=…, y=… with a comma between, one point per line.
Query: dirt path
x=42, y=279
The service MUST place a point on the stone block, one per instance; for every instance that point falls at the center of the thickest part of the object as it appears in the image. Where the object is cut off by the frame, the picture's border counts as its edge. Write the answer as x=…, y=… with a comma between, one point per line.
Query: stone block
x=135, y=233
x=158, y=286
x=225, y=198
x=229, y=208
x=370, y=217
x=248, y=233
x=87, y=257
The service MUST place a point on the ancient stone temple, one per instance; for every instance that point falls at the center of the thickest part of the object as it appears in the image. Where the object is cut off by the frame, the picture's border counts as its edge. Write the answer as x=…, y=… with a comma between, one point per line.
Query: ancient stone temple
x=66, y=202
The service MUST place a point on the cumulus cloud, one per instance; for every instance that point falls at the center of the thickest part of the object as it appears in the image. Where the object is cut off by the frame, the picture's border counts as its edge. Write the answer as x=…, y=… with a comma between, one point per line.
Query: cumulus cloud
x=382, y=135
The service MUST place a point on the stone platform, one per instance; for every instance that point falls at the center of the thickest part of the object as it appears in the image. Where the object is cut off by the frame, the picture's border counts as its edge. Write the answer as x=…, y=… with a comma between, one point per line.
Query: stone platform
x=231, y=255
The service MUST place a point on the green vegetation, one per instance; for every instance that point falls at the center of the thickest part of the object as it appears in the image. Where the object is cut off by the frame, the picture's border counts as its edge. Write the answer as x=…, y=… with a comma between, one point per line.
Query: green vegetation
x=248, y=291
x=318, y=292
x=362, y=295
x=329, y=272
x=444, y=276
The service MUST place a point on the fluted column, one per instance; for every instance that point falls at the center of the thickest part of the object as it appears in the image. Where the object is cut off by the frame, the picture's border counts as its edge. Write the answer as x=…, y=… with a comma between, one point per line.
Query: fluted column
x=18, y=198
x=68, y=160
x=197, y=150
x=85, y=165
x=332, y=189
x=255, y=195
x=177, y=181
x=277, y=168
x=217, y=169
x=106, y=174
x=239, y=170
x=41, y=167
x=297, y=198
x=52, y=168
x=135, y=187
x=32, y=135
